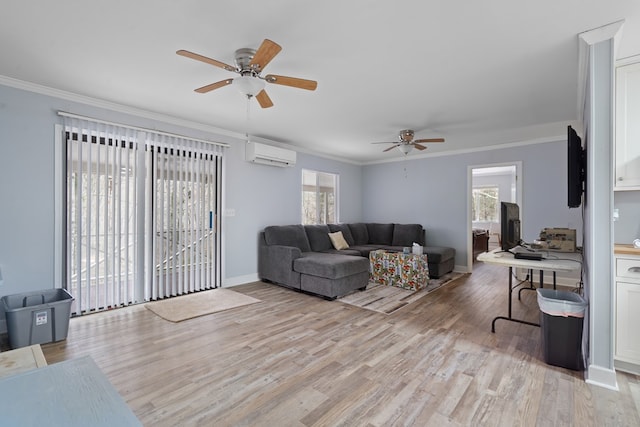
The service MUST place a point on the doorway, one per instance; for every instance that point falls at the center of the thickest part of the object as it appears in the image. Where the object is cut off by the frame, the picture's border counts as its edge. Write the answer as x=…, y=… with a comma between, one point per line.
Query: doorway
x=488, y=186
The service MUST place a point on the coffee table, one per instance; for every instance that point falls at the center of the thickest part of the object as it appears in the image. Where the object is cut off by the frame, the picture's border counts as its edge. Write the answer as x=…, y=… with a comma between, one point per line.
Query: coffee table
x=407, y=271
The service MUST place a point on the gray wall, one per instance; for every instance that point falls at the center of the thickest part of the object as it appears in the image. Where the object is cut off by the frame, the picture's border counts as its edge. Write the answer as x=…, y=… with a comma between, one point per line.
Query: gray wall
x=260, y=195
x=433, y=192
x=264, y=195
x=429, y=191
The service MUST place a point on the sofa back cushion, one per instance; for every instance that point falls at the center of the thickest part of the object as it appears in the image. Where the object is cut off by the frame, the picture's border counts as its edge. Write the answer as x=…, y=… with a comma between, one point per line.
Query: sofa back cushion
x=407, y=234
x=380, y=234
x=318, y=236
x=359, y=233
x=287, y=235
x=346, y=232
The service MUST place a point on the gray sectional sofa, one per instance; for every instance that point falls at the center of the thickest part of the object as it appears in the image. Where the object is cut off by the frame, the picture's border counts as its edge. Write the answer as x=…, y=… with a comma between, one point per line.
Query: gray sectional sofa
x=302, y=257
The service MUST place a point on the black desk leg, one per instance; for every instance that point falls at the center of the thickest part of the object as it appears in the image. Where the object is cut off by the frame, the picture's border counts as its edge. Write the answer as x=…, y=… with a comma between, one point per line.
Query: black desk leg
x=510, y=318
x=531, y=287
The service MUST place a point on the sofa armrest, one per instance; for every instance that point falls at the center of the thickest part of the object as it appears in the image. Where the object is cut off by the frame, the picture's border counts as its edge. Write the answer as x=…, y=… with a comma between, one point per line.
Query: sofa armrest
x=284, y=254
x=275, y=263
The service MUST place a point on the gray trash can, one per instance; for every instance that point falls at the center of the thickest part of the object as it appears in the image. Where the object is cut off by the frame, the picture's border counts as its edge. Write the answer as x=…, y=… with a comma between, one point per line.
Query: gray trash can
x=561, y=324
x=37, y=317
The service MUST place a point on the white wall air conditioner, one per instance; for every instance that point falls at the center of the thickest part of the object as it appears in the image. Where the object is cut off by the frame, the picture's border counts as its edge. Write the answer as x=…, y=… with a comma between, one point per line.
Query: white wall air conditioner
x=269, y=155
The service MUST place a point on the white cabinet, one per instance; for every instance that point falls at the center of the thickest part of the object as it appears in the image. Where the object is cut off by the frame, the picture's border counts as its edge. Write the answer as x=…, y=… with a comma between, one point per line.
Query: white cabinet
x=627, y=313
x=627, y=136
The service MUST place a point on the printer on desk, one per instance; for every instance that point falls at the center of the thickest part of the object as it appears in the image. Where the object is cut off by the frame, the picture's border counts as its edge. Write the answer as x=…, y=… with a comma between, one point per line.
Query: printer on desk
x=556, y=239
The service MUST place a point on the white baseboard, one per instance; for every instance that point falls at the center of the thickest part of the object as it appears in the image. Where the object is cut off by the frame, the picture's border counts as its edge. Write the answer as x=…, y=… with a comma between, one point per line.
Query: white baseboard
x=461, y=269
x=240, y=280
x=631, y=368
x=602, y=377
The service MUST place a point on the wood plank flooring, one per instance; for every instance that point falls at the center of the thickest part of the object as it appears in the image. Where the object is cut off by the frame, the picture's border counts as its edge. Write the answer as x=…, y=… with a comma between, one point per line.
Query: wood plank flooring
x=298, y=360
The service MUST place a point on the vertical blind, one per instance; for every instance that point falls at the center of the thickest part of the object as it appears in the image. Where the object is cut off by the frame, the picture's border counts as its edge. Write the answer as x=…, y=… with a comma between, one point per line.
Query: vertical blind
x=142, y=209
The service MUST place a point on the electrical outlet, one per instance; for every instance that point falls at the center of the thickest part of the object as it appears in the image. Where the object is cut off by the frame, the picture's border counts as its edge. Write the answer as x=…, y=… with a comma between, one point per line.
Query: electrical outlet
x=229, y=212
x=616, y=214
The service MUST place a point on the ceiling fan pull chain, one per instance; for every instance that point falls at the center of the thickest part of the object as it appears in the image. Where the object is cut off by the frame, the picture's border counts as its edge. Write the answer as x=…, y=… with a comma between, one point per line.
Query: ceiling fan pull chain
x=248, y=118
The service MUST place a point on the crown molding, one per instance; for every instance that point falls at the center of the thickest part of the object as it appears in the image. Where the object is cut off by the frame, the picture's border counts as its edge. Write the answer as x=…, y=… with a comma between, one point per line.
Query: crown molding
x=514, y=144
x=138, y=112
x=113, y=106
x=237, y=136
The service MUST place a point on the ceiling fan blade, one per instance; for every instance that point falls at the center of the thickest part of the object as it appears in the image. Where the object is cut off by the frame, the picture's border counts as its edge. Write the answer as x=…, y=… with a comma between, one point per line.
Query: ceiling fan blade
x=292, y=81
x=201, y=58
x=419, y=147
x=391, y=148
x=212, y=86
x=430, y=140
x=263, y=99
x=265, y=53
x=385, y=142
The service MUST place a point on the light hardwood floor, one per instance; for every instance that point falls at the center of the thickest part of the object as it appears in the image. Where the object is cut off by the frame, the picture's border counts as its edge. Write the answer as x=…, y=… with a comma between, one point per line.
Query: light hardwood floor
x=298, y=360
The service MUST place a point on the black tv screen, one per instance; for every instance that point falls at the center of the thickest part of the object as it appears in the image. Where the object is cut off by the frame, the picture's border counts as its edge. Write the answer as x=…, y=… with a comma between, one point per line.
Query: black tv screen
x=575, y=168
x=509, y=225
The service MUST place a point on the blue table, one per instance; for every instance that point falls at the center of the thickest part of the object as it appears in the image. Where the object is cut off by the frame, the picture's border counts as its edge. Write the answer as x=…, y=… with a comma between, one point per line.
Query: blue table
x=70, y=393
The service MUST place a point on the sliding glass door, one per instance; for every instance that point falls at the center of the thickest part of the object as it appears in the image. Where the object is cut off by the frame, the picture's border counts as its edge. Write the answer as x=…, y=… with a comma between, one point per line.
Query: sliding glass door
x=142, y=215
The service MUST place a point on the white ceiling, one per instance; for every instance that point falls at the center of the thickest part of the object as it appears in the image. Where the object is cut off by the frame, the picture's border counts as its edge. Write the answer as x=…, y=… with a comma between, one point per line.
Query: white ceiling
x=475, y=73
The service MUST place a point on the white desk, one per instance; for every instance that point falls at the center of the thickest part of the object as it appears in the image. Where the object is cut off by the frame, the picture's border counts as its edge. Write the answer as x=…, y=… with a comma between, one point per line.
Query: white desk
x=556, y=261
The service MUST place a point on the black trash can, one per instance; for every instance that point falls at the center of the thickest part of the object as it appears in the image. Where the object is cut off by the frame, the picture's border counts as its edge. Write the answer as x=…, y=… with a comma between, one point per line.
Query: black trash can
x=561, y=324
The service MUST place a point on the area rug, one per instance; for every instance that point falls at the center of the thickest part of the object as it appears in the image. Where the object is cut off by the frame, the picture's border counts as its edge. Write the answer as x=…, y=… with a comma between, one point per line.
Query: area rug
x=197, y=304
x=389, y=299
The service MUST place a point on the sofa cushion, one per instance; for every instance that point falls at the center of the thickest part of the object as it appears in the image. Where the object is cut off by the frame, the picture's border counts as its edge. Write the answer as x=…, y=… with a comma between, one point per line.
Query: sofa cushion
x=407, y=234
x=352, y=252
x=330, y=266
x=318, y=236
x=439, y=254
x=359, y=233
x=337, y=240
x=346, y=232
x=380, y=234
x=364, y=250
x=287, y=235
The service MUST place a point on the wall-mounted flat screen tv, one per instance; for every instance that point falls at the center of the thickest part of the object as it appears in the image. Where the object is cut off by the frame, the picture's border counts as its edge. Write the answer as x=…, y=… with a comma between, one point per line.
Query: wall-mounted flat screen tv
x=576, y=162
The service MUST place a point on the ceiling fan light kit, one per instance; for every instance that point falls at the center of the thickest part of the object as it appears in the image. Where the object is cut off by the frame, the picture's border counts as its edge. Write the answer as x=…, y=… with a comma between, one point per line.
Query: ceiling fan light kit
x=248, y=86
x=249, y=64
x=406, y=143
x=405, y=148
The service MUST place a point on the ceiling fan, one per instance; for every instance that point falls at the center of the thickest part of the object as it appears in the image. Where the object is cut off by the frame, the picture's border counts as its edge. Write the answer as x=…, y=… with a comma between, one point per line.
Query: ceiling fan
x=249, y=64
x=406, y=143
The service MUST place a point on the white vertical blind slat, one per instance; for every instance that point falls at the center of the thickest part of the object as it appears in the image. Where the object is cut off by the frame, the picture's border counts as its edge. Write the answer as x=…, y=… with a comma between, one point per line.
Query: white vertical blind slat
x=191, y=218
x=153, y=294
x=162, y=227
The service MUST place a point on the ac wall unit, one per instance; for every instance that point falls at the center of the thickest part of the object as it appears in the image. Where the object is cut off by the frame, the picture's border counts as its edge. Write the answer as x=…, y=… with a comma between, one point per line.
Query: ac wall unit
x=269, y=155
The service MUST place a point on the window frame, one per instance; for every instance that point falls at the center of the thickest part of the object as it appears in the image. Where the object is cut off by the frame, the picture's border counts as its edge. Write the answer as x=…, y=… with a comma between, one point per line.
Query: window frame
x=322, y=216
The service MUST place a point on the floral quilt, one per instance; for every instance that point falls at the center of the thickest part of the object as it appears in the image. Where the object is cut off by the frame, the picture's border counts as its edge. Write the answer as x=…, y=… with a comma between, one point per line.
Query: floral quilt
x=407, y=271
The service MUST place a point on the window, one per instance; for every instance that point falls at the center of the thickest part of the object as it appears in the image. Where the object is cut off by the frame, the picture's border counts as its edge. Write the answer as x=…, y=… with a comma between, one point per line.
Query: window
x=485, y=204
x=319, y=197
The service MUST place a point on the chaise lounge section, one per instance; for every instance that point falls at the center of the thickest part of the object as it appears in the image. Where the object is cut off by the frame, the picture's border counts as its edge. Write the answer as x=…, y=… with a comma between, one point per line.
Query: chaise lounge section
x=304, y=257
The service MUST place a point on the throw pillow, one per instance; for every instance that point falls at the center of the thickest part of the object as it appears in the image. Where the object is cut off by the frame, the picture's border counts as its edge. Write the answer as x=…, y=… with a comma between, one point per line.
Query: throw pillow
x=337, y=239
